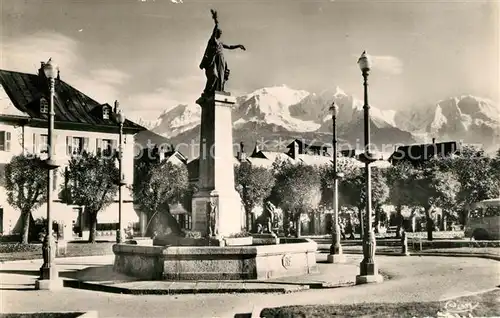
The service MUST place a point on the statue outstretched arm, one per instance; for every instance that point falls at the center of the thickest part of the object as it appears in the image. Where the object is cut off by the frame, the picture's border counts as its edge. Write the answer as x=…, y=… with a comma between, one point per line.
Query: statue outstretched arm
x=232, y=47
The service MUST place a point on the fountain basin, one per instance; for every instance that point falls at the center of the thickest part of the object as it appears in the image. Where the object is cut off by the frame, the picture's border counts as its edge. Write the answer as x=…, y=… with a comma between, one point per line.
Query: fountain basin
x=296, y=257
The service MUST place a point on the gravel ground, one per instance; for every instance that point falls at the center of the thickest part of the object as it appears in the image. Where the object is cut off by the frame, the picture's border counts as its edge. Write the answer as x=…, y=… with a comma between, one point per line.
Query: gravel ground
x=410, y=279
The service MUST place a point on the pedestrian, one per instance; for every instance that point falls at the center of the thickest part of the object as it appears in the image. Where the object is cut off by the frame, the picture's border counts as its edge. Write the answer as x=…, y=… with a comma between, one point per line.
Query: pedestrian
x=342, y=229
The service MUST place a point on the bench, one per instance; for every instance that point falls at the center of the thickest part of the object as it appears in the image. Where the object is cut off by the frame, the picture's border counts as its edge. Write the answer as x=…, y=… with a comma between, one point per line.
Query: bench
x=392, y=230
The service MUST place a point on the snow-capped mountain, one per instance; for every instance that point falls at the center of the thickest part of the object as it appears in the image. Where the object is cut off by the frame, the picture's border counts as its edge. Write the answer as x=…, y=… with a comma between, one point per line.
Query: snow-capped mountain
x=271, y=105
x=178, y=120
x=464, y=118
x=278, y=114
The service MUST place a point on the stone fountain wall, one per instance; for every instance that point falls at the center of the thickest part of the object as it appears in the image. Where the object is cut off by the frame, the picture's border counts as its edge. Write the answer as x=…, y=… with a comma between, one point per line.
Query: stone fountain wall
x=216, y=263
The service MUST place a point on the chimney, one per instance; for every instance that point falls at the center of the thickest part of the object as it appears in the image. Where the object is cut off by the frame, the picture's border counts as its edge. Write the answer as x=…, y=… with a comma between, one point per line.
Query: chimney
x=242, y=156
x=433, y=140
x=295, y=149
x=58, y=75
x=40, y=70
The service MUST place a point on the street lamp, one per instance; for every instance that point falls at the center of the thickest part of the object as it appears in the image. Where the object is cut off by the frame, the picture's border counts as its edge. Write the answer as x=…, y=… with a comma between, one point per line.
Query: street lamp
x=49, y=276
x=368, y=271
x=336, y=255
x=120, y=119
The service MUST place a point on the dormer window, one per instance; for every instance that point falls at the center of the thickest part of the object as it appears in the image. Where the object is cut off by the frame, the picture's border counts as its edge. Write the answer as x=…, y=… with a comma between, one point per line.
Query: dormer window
x=105, y=112
x=44, y=106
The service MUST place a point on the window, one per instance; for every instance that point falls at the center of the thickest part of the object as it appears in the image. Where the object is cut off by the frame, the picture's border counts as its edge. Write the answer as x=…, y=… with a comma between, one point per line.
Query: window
x=41, y=143
x=187, y=223
x=44, y=144
x=105, y=147
x=105, y=112
x=5, y=138
x=76, y=145
x=184, y=220
x=44, y=106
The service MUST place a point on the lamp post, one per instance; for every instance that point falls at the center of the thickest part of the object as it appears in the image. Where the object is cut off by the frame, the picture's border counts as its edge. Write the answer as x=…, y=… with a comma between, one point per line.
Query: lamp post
x=49, y=276
x=120, y=118
x=336, y=255
x=368, y=271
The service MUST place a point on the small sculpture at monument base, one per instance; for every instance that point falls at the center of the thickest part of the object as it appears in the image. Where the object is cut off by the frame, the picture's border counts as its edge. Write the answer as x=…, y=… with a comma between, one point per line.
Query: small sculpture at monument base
x=212, y=219
x=270, y=211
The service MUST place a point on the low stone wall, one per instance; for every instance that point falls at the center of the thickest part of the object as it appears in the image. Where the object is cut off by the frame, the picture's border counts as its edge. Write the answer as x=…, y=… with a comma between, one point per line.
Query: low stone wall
x=424, y=244
x=139, y=261
x=296, y=257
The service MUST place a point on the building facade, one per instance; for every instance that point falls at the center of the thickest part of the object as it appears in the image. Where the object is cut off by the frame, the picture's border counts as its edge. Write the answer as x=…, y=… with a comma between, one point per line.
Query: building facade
x=81, y=124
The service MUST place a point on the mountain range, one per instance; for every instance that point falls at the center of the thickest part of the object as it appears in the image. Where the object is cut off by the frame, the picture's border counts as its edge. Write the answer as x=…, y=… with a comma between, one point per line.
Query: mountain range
x=273, y=116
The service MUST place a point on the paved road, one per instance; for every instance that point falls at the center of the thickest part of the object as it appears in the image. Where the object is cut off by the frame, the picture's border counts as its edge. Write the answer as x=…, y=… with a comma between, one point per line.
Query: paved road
x=411, y=279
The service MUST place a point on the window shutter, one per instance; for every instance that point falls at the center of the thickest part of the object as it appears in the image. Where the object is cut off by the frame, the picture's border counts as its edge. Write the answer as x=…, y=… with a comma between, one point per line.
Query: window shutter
x=7, y=141
x=66, y=186
x=98, y=146
x=55, y=179
x=35, y=143
x=69, y=142
x=114, y=145
x=86, y=144
x=2, y=140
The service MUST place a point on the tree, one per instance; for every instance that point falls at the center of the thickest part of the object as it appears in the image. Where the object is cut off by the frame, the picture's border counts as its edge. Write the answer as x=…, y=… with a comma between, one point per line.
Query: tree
x=93, y=183
x=297, y=189
x=345, y=166
x=26, y=184
x=399, y=180
x=478, y=175
x=254, y=184
x=435, y=187
x=159, y=185
x=353, y=192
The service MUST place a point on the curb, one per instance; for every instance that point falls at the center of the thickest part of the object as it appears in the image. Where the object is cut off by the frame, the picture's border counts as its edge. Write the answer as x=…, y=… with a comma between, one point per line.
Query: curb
x=129, y=291
x=471, y=294
x=36, y=260
x=486, y=256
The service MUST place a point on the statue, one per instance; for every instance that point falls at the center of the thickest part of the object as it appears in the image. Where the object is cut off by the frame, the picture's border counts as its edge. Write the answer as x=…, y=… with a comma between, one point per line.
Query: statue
x=213, y=61
x=212, y=218
x=270, y=211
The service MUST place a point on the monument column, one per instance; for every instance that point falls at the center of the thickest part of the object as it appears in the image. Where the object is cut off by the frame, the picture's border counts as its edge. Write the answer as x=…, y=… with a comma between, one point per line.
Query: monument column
x=216, y=168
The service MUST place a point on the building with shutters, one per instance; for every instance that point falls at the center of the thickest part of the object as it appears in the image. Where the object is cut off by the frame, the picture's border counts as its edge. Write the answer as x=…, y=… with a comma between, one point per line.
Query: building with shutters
x=81, y=123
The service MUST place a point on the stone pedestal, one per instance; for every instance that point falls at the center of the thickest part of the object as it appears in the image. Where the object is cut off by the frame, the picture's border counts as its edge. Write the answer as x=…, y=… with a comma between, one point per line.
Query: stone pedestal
x=216, y=171
x=336, y=258
x=49, y=279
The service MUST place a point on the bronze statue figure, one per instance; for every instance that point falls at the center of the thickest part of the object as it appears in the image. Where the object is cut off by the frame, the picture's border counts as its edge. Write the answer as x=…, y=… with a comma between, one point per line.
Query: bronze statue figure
x=212, y=218
x=213, y=61
x=270, y=211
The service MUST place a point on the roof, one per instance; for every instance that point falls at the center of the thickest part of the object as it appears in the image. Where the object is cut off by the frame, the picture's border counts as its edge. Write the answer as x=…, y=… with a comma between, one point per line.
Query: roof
x=424, y=152
x=310, y=143
x=177, y=155
x=148, y=139
x=315, y=160
x=70, y=105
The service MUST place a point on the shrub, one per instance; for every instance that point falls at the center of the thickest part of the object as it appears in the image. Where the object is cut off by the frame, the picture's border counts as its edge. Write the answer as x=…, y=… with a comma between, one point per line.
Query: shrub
x=240, y=234
x=192, y=234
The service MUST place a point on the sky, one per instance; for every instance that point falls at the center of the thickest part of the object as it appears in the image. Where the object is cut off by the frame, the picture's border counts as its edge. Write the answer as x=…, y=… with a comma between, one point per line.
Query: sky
x=145, y=53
